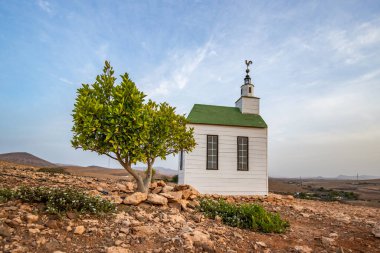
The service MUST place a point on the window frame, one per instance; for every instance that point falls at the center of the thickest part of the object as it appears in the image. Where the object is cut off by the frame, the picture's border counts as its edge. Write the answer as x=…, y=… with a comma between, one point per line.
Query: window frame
x=217, y=152
x=237, y=151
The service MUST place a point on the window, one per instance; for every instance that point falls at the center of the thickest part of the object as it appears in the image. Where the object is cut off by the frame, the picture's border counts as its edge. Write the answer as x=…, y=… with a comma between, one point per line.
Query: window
x=181, y=160
x=250, y=89
x=242, y=153
x=212, y=152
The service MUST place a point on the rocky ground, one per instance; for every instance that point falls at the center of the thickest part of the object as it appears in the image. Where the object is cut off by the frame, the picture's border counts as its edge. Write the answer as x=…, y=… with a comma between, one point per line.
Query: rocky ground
x=165, y=221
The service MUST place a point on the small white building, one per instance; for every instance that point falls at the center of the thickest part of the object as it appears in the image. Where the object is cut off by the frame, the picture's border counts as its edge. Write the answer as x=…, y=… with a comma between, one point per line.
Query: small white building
x=230, y=157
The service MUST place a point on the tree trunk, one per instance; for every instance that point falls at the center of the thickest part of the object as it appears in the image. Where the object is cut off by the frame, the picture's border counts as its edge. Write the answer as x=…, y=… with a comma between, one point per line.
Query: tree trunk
x=148, y=177
x=141, y=187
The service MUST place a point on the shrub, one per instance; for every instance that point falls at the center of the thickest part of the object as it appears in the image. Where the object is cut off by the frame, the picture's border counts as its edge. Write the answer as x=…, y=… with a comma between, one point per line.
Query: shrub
x=59, y=200
x=248, y=216
x=175, y=179
x=57, y=170
x=5, y=194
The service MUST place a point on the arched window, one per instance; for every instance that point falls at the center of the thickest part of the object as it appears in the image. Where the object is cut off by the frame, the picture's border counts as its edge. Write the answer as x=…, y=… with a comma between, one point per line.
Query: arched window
x=250, y=89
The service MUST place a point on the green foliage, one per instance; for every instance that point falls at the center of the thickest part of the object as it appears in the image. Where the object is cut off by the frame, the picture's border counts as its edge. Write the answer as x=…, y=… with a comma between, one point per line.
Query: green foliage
x=109, y=118
x=54, y=170
x=59, y=200
x=6, y=194
x=248, y=216
x=115, y=120
x=175, y=179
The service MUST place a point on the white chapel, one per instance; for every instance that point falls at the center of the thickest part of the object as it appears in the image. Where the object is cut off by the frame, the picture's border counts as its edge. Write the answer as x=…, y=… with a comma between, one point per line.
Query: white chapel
x=230, y=156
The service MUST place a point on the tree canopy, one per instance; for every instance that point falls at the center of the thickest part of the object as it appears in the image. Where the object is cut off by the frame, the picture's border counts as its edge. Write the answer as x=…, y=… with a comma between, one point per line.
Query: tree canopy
x=115, y=120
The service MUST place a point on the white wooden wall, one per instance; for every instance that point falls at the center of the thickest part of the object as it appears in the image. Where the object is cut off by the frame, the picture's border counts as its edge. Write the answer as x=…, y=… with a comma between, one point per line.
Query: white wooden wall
x=227, y=179
x=249, y=105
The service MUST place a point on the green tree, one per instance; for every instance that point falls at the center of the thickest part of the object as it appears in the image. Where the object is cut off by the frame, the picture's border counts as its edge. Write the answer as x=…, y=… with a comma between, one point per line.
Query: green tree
x=112, y=119
x=167, y=135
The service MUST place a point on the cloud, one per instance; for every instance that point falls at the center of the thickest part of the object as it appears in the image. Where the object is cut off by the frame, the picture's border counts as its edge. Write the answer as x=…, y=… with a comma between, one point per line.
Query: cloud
x=45, y=6
x=64, y=80
x=177, y=69
x=351, y=44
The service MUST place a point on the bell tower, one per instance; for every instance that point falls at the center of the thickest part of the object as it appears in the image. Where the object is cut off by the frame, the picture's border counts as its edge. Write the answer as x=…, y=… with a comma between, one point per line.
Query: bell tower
x=248, y=103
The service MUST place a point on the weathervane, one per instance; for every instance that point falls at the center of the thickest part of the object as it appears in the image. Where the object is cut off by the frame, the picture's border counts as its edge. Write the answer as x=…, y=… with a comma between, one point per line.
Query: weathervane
x=247, y=63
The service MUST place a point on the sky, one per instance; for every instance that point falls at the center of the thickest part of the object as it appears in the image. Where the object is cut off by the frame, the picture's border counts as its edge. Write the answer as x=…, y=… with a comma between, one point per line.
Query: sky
x=316, y=68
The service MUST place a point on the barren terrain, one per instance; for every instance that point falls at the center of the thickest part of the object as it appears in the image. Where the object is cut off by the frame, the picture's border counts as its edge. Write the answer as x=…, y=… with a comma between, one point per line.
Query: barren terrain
x=315, y=226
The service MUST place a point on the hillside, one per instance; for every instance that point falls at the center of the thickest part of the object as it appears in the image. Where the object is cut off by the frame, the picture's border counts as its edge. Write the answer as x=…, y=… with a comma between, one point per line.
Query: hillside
x=315, y=226
x=25, y=158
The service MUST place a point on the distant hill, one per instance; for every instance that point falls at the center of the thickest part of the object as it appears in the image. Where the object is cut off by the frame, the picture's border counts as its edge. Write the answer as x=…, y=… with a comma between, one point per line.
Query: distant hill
x=361, y=177
x=161, y=170
x=25, y=159
x=31, y=160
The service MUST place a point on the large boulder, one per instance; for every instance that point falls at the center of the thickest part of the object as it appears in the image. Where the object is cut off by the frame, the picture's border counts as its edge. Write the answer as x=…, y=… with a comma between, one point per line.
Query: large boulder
x=135, y=198
x=156, y=199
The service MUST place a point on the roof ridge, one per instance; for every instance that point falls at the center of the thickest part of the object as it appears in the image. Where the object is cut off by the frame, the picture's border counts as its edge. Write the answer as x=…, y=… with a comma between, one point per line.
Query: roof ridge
x=218, y=106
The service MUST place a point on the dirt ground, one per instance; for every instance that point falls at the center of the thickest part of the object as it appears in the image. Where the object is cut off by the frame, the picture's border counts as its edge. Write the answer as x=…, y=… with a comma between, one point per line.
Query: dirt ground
x=368, y=190
x=315, y=226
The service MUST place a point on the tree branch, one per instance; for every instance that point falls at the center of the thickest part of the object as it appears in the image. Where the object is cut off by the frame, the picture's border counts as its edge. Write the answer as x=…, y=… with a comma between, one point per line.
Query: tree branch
x=110, y=156
x=127, y=167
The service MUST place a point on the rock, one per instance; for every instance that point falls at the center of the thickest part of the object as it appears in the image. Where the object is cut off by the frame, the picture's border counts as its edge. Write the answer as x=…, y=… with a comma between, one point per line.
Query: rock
x=69, y=228
x=161, y=183
x=343, y=218
x=58, y=251
x=262, y=244
x=327, y=242
x=5, y=231
x=122, y=187
x=71, y=215
x=53, y=224
x=31, y=218
x=200, y=239
x=167, y=188
x=156, y=190
x=156, y=199
x=290, y=197
x=173, y=196
x=145, y=230
x=306, y=215
x=116, y=199
x=117, y=249
x=303, y=249
x=177, y=219
x=135, y=198
x=175, y=205
x=376, y=230
x=297, y=207
x=190, y=193
x=79, y=230
x=130, y=186
x=34, y=230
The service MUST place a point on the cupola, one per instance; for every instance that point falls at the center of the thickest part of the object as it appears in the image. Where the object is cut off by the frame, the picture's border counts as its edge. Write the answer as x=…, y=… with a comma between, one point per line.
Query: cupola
x=248, y=103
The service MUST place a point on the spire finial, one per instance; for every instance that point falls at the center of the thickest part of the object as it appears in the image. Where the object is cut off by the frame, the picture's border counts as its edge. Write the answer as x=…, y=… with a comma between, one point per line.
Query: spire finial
x=247, y=62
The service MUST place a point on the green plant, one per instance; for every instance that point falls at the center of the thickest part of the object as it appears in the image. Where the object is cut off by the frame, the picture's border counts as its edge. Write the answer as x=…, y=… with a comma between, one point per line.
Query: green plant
x=114, y=120
x=54, y=170
x=175, y=179
x=248, y=216
x=59, y=200
x=5, y=194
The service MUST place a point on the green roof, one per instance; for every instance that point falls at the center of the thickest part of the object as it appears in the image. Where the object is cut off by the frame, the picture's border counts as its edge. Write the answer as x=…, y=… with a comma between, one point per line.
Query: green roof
x=223, y=115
